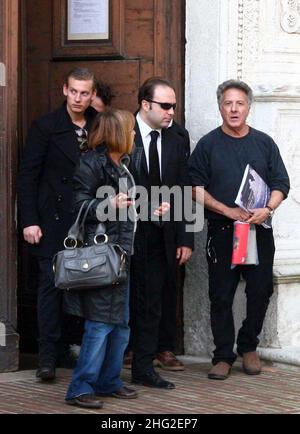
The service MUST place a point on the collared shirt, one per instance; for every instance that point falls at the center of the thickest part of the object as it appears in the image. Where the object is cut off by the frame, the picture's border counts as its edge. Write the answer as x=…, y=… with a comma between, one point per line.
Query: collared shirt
x=82, y=137
x=146, y=138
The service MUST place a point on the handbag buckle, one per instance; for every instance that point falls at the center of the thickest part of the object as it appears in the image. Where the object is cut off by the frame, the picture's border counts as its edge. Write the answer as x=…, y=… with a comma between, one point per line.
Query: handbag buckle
x=104, y=239
x=70, y=243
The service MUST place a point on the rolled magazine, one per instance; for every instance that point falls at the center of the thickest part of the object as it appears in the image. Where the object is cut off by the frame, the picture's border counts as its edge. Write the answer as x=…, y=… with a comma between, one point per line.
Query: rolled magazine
x=253, y=193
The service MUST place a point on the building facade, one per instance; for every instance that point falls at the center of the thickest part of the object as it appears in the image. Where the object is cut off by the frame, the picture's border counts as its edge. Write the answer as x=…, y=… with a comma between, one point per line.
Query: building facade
x=257, y=41
x=196, y=44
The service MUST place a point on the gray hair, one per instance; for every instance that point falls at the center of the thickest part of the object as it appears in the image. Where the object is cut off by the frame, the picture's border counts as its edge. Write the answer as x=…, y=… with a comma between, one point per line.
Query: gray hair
x=234, y=84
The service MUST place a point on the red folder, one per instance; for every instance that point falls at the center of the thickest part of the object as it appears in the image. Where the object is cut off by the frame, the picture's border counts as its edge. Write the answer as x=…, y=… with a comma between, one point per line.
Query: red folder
x=240, y=241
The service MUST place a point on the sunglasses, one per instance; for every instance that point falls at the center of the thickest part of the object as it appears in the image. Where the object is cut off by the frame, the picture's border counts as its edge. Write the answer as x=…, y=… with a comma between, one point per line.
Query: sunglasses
x=164, y=105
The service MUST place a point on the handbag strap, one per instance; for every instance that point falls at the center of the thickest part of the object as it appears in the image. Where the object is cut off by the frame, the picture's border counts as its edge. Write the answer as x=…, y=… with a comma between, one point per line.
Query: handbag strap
x=81, y=228
x=72, y=237
x=76, y=231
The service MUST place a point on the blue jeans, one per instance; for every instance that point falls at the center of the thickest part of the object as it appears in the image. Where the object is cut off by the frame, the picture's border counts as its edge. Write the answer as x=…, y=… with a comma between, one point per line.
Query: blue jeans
x=100, y=360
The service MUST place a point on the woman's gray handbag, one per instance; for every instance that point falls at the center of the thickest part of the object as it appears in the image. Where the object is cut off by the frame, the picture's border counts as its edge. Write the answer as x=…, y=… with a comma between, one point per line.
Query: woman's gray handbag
x=88, y=267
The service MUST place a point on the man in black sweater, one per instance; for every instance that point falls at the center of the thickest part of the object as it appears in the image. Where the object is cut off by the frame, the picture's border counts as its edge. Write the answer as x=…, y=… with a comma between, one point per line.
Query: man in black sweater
x=217, y=164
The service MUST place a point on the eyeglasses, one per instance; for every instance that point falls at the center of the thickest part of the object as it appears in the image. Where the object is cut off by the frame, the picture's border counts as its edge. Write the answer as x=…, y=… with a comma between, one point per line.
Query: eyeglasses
x=164, y=105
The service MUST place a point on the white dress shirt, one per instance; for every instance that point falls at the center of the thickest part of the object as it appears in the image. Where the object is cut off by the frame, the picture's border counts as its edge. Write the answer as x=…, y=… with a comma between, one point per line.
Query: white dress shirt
x=146, y=138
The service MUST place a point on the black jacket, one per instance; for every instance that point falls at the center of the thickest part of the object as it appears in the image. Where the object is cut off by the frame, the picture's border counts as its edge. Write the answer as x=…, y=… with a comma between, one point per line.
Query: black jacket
x=95, y=169
x=45, y=178
x=183, y=134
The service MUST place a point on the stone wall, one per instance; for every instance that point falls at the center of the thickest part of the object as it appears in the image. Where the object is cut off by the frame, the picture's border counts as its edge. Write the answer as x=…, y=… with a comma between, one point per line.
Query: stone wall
x=257, y=41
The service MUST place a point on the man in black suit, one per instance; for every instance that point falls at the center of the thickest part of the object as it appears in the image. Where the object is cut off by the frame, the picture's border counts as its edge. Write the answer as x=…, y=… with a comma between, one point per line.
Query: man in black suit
x=160, y=160
x=53, y=147
x=183, y=134
x=165, y=357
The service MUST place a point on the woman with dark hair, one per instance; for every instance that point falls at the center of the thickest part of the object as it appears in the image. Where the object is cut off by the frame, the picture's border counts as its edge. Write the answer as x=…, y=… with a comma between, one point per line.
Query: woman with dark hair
x=102, y=100
x=105, y=310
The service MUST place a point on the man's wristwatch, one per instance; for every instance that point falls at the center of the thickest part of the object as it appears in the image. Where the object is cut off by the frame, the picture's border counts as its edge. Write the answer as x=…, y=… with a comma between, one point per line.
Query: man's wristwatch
x=271, y=211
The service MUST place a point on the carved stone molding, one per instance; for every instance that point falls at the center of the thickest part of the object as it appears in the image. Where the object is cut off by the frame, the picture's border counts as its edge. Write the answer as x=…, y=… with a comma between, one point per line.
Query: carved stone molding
x=293, y=141
x=290, y=16
x=289, y=136
x=248, y=35
x=276, y=92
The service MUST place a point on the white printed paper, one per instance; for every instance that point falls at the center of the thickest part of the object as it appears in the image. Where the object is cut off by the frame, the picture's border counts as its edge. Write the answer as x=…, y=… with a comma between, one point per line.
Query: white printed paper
x=88, y=19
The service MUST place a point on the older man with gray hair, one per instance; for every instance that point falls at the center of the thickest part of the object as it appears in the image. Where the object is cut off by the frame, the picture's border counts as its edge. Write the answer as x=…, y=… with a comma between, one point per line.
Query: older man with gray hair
x=218, y=164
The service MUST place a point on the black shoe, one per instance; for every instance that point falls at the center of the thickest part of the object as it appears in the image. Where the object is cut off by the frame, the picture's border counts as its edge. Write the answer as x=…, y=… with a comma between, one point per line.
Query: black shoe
x=85, y=401
x=152, y=379
x=46, y=373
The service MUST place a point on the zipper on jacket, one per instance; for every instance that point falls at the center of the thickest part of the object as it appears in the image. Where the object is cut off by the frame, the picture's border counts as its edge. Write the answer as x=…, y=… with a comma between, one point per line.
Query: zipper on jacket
x=133, y=204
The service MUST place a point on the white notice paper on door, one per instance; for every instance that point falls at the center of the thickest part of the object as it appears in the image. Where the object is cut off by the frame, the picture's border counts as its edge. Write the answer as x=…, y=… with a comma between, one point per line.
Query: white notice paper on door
x=88, y=19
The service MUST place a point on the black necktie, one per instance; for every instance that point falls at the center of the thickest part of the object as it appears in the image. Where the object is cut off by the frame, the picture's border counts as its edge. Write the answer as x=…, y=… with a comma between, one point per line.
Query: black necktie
x=154, y=171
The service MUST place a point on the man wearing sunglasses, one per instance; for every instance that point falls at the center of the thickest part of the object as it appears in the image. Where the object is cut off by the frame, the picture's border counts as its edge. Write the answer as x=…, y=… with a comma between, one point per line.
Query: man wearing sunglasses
x=160, y=160
x=54, y=144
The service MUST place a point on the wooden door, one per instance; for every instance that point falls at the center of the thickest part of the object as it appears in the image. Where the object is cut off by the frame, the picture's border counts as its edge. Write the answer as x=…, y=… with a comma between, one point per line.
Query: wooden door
x=9, y=10
x=146, y=38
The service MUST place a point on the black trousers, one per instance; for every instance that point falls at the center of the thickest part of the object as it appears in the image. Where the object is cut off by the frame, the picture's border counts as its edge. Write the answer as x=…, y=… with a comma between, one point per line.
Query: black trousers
x=223, y=282
x=151, y=277
x=56, y=329
x=167, y=324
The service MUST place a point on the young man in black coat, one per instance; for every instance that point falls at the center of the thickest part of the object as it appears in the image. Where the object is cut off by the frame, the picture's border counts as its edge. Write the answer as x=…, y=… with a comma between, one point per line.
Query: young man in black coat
x=53, y=147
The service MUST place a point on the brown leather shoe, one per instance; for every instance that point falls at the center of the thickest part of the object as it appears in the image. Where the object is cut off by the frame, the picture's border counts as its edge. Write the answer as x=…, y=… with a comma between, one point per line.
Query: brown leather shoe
x=168, y=361
x=125, y=393
x=86, y=401
x=251, y=363
x=220, y=371
x=127, y=361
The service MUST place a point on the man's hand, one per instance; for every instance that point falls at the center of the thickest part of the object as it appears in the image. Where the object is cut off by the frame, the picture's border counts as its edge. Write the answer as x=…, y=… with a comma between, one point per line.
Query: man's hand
x=162, y=209
x=32, y=234
x=258, y=216
x=120, y=201
x=183, y=254
x=237, y=214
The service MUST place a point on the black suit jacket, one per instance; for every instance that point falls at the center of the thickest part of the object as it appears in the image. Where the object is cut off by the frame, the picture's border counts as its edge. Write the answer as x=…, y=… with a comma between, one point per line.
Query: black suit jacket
x=174, y=172
x=184, y=134
x=45, y=178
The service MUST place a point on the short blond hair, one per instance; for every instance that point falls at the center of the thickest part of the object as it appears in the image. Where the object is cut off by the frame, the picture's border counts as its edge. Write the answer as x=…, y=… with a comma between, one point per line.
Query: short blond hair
x=113, y=129
x=81, y=74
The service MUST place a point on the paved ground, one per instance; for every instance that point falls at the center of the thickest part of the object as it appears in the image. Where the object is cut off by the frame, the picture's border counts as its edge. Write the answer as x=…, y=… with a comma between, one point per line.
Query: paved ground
x=276, y=390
